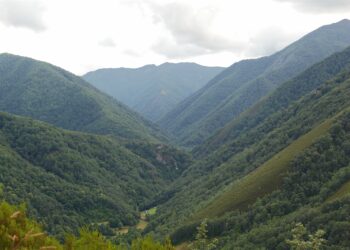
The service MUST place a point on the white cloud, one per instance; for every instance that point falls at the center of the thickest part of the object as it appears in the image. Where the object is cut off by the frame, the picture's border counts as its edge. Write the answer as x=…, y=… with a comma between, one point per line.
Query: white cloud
x=139, y=32
x=22, y=13
x=320, y=6
x=190, y=30
x=268, y=41
x=107, y=42
x=172, y=50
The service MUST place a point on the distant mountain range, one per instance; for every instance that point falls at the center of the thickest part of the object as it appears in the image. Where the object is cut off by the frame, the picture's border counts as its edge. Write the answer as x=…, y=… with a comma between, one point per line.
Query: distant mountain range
x=243, y=84
x=48, y=93
x=152, y=90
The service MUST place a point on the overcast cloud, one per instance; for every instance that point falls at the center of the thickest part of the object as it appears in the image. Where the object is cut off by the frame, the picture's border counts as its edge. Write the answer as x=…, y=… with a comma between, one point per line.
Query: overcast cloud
x=268, y=41
x=320, y=6
x=190, y=31
x=81, y=35
x=22, y=13
x=107, y=42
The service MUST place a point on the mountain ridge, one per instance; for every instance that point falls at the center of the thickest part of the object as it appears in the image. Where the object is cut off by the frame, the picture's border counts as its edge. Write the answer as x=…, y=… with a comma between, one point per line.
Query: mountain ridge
x=244, y=83
x=46, y=92
x=152, y=90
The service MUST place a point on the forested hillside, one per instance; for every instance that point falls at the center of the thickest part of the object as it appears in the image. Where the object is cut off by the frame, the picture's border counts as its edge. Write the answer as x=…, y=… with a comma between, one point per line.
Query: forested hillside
x=289, y=92
x=48, y=93
x=152, y=90
x=283, y=170
x=20, y=232
x=267, y=164
x=244, y=83
x=70, y=179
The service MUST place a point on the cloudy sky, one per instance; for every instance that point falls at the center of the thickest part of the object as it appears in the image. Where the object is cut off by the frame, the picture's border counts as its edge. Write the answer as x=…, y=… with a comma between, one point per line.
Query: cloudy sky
x=83, y=35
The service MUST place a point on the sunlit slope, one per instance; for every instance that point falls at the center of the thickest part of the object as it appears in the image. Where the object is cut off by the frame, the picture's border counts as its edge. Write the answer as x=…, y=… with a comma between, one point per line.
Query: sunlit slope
x=265, y=179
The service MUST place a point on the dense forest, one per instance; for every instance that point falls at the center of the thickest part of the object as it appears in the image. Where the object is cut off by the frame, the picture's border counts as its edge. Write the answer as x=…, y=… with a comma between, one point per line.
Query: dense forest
x=258, y=162
x=243, y=84
x=19, y=232
x=70, y=179
x=51, y=94
x=265, y=162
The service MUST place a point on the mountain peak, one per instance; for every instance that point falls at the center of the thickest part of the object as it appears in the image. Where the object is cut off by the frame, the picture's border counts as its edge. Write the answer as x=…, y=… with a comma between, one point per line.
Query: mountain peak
x=344, y=21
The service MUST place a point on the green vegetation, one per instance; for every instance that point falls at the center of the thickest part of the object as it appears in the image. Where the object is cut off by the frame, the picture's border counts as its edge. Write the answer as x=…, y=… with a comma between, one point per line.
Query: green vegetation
x=343, y=191
x=207, y=178
x=152, y=90
x=48, y=93
x=273, y=172
x=277, y=176
x=244, y=83
x=20, y=233
x=151, y=211
x=71, y=179
x=314, y=241
x=314, y=175
x=280, y=99
x=265, y=179
x=201, y=241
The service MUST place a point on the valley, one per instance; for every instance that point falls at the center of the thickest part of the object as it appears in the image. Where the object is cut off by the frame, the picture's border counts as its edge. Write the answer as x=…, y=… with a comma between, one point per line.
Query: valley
x=179, y=155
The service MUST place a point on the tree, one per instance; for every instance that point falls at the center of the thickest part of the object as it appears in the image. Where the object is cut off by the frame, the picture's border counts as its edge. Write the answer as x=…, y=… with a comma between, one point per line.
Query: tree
x=201, y=240
x=148, y=243
x=18, y=232
x=304, y=241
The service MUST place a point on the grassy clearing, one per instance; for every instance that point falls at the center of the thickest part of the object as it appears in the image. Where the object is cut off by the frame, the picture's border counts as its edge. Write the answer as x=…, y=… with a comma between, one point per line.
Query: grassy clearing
x=152, y=211
x=265, y=179
x=122, y=230
x=343, y=191
x=182, y=246
x=142, y=224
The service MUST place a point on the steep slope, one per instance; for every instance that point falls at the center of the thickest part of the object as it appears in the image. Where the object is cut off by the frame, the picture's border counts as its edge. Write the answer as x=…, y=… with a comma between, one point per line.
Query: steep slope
x=265, y=179
x=45, y=92
x=244, y=83
x=70, y=179
x=152, y=90
x=284, y=95
x=314, y=191
x=268, y=146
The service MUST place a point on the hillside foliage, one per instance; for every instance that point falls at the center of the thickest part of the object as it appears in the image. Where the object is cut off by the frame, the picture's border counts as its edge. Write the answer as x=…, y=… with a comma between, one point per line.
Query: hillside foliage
x=268, y=147
x=51, y=94
x=243, y=84
x=71, y=179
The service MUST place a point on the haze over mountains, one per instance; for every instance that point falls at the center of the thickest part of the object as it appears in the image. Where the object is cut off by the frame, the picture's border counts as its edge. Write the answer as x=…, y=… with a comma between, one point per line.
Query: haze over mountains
x=152, y=90
x=244, y=83
x=270, y=141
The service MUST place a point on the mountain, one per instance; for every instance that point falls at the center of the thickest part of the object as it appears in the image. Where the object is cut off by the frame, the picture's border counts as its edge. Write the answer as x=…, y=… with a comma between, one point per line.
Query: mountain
x=48, y=93
x=280, y=99
x=244, y=83
x=71, y=179
x=152, y=90
x=291, y=164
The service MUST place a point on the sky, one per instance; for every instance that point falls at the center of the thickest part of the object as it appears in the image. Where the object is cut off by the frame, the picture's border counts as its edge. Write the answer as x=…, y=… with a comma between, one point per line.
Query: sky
x=84, y=35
